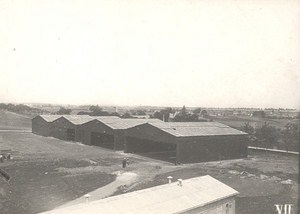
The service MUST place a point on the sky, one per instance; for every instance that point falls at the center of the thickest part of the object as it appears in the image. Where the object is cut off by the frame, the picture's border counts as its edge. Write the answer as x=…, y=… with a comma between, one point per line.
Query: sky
x=162, y=53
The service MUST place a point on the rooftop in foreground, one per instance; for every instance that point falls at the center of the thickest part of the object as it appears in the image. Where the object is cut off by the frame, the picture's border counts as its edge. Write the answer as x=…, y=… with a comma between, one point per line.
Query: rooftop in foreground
x=168, y=198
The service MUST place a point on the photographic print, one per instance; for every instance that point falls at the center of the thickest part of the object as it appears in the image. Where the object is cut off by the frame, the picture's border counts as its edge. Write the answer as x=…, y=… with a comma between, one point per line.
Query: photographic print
x=149, y=107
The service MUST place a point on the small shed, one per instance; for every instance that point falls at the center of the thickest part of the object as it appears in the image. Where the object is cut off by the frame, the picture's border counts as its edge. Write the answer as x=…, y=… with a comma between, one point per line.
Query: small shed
x=108, y=132
x=41, y=124
x=204, y=195
x=187, y=142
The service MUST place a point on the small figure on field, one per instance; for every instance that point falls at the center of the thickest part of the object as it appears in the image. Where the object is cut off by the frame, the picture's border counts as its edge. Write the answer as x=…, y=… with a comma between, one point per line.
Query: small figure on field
x=125, y=162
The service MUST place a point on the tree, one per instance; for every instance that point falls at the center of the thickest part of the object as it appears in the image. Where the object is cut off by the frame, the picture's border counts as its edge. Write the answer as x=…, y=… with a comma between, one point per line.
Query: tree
x=197, y=110
x=63, y=110
x=248, y=128
x=163, y=114
x=115, y=114
x=140, y=112
x=184, y=116
x=158, y=115
x=97, y=111
x=183, y=111
x=126, y=115
x=291, y=136
x=267, y=133
x=204, y=113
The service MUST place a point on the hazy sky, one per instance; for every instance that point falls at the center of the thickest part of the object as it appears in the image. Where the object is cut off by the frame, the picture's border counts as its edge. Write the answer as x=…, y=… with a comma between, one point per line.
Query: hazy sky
x=165, y=53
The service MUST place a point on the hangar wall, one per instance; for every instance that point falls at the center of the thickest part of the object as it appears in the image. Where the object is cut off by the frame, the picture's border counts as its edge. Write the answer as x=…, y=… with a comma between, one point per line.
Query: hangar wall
x=60, y=127
x=137, y=145
x=93, y=126
x=148, y=132
x=211, y=148
x=40, y=126
x=119, y=139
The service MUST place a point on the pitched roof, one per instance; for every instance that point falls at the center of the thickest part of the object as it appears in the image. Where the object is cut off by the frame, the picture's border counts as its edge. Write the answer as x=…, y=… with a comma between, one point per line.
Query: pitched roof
x=49, y=117
x=126, y=123
x=197, y=124
x=168, y=198
x=190, y=129
x=81, y=119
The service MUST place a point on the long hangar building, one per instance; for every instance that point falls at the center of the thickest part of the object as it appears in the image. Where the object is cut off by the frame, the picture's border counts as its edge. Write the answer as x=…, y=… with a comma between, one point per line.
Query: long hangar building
x=109, y=132
x=188, y=142
x=180, y=142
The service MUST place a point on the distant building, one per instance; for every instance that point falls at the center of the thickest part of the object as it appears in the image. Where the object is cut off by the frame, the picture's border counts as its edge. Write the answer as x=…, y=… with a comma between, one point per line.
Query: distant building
x=203, y=195
x=173, y=115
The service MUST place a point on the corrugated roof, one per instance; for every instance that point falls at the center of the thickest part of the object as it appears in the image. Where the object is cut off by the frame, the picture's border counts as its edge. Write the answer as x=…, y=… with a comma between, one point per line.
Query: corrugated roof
x=197, y=124
x=204, y=131
x=81, y=119
x=126, y=123
x=165, y=199
x=190, y=129
x=50, y=117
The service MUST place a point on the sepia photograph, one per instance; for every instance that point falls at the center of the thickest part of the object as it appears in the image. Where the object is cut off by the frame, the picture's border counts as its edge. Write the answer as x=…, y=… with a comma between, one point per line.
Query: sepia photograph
x=149, y=106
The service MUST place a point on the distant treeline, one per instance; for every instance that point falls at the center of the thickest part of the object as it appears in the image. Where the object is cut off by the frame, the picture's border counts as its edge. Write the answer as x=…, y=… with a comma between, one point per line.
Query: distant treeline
x=21, y=109
x=98, y=111
x=183, y=115
x=268, y=136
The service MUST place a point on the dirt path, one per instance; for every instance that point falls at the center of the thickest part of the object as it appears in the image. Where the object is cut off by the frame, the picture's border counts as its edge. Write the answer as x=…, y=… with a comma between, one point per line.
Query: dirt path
x=135, y=174
x=126, y=178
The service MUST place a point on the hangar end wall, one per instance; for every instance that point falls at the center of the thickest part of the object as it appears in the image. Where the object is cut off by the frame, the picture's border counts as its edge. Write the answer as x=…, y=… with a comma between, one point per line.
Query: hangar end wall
x=211, y=148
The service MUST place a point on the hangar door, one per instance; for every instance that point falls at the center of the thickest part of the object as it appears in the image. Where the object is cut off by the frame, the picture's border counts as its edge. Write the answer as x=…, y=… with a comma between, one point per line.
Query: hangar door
x=153, y=149
x=102, y=140
x=71, y=134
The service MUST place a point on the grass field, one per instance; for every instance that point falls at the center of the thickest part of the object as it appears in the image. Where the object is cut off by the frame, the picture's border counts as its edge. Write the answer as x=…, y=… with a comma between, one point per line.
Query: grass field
x=13, y=121
x=47, y=173
x=239, y=121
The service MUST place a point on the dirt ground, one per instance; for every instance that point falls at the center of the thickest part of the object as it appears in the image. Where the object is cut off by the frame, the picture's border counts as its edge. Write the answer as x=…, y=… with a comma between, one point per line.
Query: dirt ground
x=47, y=173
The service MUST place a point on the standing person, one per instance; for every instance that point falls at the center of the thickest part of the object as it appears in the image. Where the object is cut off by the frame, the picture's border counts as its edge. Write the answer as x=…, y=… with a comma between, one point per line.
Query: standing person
x=124, y=163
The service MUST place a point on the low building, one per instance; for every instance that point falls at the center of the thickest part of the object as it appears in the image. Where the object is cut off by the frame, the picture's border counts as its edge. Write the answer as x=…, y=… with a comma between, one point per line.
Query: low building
x=204, y=195
x=109, y=132
x=41, y=124
x=187, y=142
x=68, y=127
